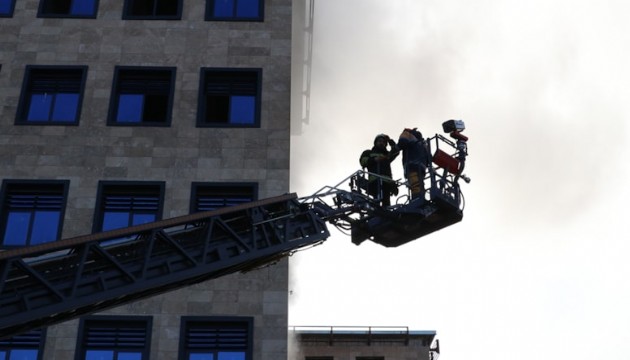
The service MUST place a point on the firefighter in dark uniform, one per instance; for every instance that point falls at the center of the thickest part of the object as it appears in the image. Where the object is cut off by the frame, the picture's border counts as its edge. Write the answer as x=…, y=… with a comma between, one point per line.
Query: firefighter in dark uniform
x=377, y=161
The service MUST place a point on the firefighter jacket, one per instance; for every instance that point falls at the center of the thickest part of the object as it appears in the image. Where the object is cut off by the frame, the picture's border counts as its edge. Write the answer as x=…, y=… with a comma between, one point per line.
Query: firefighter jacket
x=378, y=160
x=415, y=153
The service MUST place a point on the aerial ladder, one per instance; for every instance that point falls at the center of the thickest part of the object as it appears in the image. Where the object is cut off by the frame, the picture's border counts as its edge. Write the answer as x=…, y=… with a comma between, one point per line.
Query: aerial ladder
x=50, y=283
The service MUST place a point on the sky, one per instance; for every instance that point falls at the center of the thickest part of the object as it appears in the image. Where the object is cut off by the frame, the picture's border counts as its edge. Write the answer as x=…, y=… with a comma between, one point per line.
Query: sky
x=539, y=266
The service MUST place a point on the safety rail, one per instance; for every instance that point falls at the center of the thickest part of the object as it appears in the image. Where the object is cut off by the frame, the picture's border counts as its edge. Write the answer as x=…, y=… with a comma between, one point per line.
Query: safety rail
x=357, y=334
x=448, y=160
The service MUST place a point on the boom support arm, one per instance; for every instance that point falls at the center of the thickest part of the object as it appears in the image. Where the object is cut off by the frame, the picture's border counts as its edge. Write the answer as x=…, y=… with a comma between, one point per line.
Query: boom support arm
x=54, y=282
x=50, y=283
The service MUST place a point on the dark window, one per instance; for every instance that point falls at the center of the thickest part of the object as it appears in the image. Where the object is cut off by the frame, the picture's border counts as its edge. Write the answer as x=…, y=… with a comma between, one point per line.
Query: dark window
x=142, y=96
x=216, y=338
x=26, y=346
x=114, y=338
x=153, y=9
x=32, y=212
x=68, y=8
x=229, y=97
x=319, y=358
x=51, y=95
x=207, y=197
x=234, y=10
x=6, y=10
x=125, y=204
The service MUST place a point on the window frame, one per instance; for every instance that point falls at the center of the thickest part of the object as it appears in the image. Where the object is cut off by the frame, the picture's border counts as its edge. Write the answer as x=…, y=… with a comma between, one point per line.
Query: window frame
x=41, y=12
x=103, y=321
x=209, y=16
x=25, y=341
x=9, y=13
x=30, y=76
x=120, y=72
x=32, y=186
x=126, y=187
x=199, y=187
x=202, y=106
x=128, y=5
x=186, y=322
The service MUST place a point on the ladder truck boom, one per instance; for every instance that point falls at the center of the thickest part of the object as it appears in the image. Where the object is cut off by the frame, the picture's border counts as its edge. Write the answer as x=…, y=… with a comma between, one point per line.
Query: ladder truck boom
x=50, y=283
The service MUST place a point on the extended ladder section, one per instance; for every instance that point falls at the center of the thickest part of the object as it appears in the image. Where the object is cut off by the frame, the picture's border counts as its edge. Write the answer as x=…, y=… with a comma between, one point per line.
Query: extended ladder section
x=50, y=283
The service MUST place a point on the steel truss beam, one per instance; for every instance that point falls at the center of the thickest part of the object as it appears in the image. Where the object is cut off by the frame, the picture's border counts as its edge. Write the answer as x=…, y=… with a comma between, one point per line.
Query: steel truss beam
x=47, y=284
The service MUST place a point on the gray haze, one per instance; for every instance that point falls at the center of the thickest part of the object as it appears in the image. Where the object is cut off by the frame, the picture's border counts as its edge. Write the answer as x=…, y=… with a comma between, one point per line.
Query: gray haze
x=539, y=266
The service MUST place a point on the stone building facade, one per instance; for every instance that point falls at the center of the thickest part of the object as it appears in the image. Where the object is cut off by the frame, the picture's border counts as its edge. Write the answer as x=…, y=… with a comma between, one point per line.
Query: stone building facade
x=176, y=101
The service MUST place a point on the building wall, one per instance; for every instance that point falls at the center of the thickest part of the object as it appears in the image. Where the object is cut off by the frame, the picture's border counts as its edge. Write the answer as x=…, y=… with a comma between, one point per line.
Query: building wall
x=415, y=350
x=338, y=343
x=178, y=154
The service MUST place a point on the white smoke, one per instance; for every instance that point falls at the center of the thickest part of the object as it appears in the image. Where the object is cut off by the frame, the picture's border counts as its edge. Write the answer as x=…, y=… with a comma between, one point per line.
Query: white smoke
x=543, y=89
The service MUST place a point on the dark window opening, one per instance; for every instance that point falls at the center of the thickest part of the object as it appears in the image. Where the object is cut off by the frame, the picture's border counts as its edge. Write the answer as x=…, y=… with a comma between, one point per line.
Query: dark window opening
x=216, y=338
x=142, y=96
x=51, y=95
x=25, y=346
x=234, y=10
x=121, y=205
x=153, y=9
x=208, y=197
x=229, y=98
x=217, y=108
x=114, y=338
x=68, y=8
x=32, y=212
x=6, y=8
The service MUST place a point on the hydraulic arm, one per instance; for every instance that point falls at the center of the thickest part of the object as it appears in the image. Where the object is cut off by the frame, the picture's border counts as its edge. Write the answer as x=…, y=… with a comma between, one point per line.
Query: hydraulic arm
x=46, y=284
x=54, y=282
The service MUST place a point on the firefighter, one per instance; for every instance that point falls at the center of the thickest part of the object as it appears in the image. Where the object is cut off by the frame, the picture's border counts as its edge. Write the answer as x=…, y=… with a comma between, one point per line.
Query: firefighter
x=377, y=161
x=415, y=159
